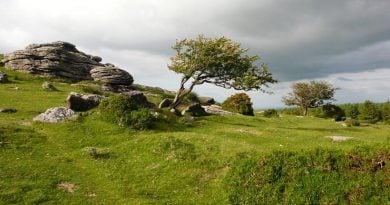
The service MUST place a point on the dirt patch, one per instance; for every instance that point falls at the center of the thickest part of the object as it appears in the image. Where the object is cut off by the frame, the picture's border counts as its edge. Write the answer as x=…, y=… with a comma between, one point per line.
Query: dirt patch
x=67, y=186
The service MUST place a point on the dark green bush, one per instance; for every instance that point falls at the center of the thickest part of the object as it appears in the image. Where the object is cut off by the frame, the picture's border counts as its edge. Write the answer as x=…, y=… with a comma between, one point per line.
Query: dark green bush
x=124, y=111
x=271, y=113
x=386, y=112
x=369, y=112
x=333, y=111
x=238, y=103
x=321, y=176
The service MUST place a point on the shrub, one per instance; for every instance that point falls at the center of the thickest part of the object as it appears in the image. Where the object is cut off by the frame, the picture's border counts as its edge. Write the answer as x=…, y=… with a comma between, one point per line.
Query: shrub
x=92, y=89
x=238, y=103
x=354, y=112
x=124, y=111
x=271, y=113
x=352, y=122
x=386, y=112
x=292, y=111
x=333, y=111
x=192, y=97
x=369, y=112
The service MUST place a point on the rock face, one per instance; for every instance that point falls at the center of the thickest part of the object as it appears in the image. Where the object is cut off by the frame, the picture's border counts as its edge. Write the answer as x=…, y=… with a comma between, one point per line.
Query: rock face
x=165, y=103
x=59, y=58
x=56, y=114
x=3, y=77
x=195, y=110
x=114, y=78
x=80, y=102
x=217, y=110
x=206, y=100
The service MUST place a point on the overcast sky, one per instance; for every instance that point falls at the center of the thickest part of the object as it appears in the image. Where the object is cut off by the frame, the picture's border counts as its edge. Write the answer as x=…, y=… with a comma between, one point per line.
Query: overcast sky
x=346, y=43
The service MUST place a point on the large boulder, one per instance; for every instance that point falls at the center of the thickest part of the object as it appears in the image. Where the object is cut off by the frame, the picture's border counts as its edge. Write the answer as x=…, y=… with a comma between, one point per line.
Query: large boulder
x=112, y=77
x=3, y=77
x=216, y=110
x=80, y=102
x=56, y=114
x=139, y=98
x=206, y=100
x=165, y=103
x=195, y=110
x=59, y=58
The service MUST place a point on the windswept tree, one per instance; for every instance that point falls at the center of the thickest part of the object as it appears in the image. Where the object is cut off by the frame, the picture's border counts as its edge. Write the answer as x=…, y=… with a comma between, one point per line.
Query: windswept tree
x=310, y=95
x=218, y=61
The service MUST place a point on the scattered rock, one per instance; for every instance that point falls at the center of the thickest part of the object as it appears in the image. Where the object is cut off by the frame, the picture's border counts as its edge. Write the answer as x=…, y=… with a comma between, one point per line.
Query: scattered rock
x=8, y=110
x=80, y=102
x=139, y=98
x=165, y=103
x=59, y=58
x=339, y=138
x=114, y=78
x=206, y=100
x=67, y=186
x=175, y=111
x=217, y=110
x=56, y=114
x=195, y=110
x=3, y=77
x=48, y=86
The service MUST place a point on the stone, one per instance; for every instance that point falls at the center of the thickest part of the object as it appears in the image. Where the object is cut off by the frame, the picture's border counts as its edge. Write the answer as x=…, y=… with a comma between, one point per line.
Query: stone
x=139, y=98
x=165, y=103
x=48, y=86
x=80, y=102
x=60, y=59
x=113, y=78
x=206, y=100
x=216, y=110
x=55, y=115
x=339, y=138
x=8, y=110
x=195, y=110
x=3, y=77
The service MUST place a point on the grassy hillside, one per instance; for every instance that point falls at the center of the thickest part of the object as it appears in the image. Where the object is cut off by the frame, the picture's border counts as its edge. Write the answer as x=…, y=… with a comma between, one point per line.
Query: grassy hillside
x=180, y=163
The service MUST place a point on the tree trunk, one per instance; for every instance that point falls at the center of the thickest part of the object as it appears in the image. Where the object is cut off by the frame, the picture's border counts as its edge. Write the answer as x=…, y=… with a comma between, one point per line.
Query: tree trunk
x=305, y=111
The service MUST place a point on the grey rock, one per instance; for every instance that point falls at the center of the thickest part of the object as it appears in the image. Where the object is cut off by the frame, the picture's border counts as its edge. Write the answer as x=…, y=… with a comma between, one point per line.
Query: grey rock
x=8, y=110
x=217, y=110
x=80, y=102
x=139, y=98
x=206, y=100
x=165, y=103
x=3, y=77
x=55, y=115
x=195, y=110
x=48, y=86
x=59, y=58
x=113, y=78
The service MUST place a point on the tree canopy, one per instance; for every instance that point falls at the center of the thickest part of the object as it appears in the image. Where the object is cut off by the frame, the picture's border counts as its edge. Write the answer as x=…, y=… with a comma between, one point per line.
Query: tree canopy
x=219, y=61
x=310, y=95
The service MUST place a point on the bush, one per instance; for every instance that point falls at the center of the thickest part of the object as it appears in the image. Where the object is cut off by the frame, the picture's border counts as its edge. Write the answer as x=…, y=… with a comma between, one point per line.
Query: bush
x=320, y=176
x=92, y=89
x=292, y=111
x=352, y=122
x=271, y=113
x=238, y=103
x=192, y=97
x=386, y=112
x=124, y=111
x=333, y=111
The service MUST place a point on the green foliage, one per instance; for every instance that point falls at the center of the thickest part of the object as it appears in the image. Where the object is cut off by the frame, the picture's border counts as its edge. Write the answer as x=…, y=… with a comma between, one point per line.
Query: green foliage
x=92, y=89
x=271, y=113
x=192, y=97
x=291, y=111
x=369, y=112
x=354, y=112
x=124, y=111
x=1, y=58
x=309, y=95
x=386, y=112
x=316, y=177
x=238, y=103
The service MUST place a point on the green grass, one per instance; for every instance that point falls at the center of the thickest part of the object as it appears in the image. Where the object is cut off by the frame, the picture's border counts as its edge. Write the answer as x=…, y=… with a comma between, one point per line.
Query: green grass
x=181, y=163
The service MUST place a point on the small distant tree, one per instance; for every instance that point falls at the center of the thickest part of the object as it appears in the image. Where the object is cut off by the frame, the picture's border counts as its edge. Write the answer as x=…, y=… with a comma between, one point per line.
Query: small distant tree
x=369, y=112
x=218, y=61
x=354, y=112
x=310, y=95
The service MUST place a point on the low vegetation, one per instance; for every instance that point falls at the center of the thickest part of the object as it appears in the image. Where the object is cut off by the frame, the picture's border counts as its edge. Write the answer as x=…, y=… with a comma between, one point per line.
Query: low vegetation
x=92, y=160
x=239, y=103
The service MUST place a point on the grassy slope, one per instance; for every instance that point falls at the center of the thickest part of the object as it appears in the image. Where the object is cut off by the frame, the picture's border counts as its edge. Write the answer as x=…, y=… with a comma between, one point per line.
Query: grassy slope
x=173, y=164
